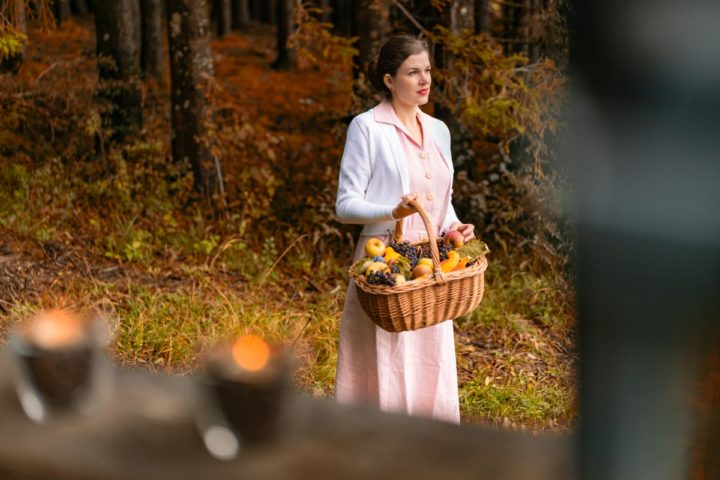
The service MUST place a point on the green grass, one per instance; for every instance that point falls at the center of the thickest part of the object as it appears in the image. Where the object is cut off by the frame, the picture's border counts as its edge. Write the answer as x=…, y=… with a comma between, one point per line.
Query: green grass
x=520, y=403
x=517, y=360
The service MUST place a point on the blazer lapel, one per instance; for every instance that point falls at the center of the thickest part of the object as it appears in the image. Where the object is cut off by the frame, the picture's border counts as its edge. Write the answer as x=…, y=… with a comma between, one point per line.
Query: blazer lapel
x=400, y=162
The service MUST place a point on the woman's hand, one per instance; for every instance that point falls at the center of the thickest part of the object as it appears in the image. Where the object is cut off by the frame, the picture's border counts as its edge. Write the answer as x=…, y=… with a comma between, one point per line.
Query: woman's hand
x=403, y=209
x=467, y=230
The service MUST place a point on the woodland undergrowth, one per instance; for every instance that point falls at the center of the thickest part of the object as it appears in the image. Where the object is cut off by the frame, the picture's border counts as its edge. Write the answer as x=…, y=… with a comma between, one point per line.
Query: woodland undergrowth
x=89, y=224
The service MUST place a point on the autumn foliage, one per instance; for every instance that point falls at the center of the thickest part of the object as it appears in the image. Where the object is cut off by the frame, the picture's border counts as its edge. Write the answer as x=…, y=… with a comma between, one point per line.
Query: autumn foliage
x=71, y=194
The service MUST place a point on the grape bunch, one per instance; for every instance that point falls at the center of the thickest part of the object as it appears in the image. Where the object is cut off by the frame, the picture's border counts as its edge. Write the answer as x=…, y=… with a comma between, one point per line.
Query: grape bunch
x=381, y=278
x=407, y=250
x=443, y=249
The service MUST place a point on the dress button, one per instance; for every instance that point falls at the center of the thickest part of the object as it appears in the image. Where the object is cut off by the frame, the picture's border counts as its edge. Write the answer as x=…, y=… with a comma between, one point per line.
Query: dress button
x=430, y=196
x=428, y=175
x=423, y=154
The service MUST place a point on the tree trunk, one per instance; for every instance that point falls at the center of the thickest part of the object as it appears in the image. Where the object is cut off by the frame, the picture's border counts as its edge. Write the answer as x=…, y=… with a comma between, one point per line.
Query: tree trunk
x=152, y=39
x=371, y=23
x=513, y=36
x=15, y=9
x=460, y=16
x=117, y=31
x=222, y=13
x=286, y=59
x=483, y=19
x=266, y=11
x=255, y=10
x=534, y=31
x=61, y=10
x=191, y=73
x=240, y=14
x=79, y=7
x=342, y=17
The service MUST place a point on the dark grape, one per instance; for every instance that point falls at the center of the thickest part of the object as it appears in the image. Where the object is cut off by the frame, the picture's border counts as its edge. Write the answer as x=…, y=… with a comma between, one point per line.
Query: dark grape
x=381, y=278
x=407, y=250
x=443, y=249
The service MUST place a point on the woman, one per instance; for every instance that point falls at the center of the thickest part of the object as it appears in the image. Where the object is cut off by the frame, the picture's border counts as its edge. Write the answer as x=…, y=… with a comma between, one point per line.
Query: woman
x=395, y=153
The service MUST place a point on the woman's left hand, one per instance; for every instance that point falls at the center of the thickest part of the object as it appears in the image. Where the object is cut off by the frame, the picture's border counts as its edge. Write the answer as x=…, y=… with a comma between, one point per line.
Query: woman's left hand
x=467, y=230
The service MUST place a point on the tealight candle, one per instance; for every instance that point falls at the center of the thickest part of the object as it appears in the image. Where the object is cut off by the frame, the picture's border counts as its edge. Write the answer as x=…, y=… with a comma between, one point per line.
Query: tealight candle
x=54, y=354
x=249, y=382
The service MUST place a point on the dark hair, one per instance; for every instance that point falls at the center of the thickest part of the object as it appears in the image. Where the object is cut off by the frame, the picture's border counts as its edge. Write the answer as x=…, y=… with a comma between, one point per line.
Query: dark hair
x=392, y=54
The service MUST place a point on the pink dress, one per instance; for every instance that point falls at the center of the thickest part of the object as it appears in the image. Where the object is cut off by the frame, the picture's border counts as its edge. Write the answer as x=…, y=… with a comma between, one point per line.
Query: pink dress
x=408, y=372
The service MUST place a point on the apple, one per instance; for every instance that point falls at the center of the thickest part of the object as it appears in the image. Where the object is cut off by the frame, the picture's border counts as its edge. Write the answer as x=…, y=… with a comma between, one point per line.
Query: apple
x=376, y=267
x=399, y=279
x=421, y=270
x=426, y=261
x=454, y=238
x=374, y=247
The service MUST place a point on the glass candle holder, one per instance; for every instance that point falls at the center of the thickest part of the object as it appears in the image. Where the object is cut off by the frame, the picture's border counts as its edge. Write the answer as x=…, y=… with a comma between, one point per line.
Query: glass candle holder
x=246, y=387
x=55, y=356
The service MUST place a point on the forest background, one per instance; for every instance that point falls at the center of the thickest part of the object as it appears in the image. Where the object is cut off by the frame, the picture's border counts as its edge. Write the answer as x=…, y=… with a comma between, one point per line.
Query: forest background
x=173, y=165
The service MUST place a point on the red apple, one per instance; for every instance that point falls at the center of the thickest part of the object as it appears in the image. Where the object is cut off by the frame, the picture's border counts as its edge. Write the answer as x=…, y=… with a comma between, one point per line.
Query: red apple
x=454, y=238
x=421, y=270
x=374, y=247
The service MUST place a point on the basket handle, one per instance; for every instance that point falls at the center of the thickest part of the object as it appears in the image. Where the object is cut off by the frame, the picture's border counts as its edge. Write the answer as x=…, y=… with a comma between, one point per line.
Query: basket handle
x=398, y=234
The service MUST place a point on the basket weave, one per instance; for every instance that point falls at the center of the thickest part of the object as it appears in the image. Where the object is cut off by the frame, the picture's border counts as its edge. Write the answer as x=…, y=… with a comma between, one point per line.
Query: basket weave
x=425, y=302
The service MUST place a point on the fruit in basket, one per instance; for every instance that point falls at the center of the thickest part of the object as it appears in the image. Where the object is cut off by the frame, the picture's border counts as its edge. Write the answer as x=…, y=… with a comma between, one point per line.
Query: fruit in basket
x=443, y=249
x=421, y=270
x=407, y=250
x=391, y=255
x=461, y=264
x=454, y=238
x=426, y=261
x=374, y=247
x=399, y=279
x=361, y=265
x=382, y=278
x=451, y=262
x=376, y=267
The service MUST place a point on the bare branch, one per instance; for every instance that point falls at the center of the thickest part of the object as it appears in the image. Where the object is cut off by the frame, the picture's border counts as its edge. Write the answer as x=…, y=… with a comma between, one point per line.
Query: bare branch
x=412, y=19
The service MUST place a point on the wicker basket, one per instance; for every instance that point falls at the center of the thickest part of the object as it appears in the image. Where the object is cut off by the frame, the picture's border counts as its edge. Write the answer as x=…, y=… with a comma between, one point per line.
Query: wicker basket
x=424, y=302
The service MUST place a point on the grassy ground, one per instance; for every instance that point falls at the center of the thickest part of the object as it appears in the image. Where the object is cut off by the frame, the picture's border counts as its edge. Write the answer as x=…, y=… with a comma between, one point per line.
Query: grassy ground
x=174, y=282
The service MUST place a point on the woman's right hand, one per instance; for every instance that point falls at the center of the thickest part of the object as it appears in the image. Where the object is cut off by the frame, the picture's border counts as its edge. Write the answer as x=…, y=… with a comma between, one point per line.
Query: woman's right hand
x=403, y=209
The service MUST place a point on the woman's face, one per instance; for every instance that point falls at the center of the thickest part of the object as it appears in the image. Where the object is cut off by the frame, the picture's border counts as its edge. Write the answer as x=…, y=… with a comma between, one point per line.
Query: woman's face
x=411, y=84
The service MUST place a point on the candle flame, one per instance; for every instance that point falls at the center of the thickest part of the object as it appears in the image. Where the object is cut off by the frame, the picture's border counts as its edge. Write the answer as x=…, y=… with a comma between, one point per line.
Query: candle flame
x=55, y=328
x=251, y=352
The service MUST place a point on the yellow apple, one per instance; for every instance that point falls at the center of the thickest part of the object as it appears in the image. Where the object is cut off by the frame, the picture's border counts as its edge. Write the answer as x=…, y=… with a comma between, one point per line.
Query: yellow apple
x=426, y=261
x=374, y=247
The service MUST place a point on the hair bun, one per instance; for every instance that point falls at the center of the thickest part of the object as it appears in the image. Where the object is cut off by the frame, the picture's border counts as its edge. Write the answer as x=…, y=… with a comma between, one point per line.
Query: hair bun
x=373, y=77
